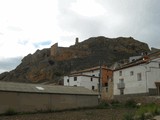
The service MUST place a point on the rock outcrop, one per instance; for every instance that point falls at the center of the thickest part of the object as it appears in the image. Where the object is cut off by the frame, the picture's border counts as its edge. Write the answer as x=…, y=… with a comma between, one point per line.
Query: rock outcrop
x=49, y=65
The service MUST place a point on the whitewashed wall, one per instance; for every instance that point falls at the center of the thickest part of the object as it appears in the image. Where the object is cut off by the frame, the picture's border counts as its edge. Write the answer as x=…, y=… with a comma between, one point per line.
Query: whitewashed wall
x=132, y=85
x=82, y=81
x=150, y=74
x=92, y=73
x=153, y=73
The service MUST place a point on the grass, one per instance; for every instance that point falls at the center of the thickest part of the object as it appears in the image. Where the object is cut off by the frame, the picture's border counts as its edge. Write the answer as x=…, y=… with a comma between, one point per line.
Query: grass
x=103, y=105
x=130, y=103
x=128, y=116
x=144, y=112
x=10, y=111
x=152, y=108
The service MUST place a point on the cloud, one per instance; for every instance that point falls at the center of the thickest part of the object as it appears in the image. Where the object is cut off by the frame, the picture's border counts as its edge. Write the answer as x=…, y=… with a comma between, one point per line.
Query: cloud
x=139, y=19
x=1, y=33
x=13, y=28
x=76, y=24
x=38, y=44
x=90, y=8
x=36, y=24
x=7, y=64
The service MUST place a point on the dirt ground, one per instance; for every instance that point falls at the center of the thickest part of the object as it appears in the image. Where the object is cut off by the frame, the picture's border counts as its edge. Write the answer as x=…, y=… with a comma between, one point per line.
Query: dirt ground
x=89, y=114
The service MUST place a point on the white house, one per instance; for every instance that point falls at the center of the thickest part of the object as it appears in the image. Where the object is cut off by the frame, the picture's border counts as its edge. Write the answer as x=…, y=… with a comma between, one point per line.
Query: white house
x=97, y=78
x=90, y=82
x=141, y=76
x=88, y=78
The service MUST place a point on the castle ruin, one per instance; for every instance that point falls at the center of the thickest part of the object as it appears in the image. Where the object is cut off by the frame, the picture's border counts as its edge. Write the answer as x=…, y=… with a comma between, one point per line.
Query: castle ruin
x=54, y=49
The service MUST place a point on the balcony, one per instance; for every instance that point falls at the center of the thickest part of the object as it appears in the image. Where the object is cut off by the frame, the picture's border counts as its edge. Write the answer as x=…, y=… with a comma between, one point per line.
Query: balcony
x=121, y=85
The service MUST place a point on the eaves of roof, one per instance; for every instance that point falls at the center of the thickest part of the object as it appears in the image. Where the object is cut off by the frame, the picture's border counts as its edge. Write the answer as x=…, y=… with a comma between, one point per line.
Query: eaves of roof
x=91, y=69
x=43, y=89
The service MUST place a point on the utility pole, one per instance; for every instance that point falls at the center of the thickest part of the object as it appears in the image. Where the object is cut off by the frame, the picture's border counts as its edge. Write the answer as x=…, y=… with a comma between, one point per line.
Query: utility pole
x=100, y=82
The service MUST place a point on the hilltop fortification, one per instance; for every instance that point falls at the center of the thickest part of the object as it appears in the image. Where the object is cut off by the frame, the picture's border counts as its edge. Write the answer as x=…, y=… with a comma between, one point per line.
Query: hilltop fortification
x=50, y=64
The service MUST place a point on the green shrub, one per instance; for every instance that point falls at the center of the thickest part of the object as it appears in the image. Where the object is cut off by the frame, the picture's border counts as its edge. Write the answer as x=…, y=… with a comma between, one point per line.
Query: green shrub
x=128, y=116
x=10, y=111
x=116, y=103
x=103, y=105
x=130, y=103
x=147, y=109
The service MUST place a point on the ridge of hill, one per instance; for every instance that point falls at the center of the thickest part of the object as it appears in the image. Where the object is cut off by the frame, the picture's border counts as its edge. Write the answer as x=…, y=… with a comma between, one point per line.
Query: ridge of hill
x=50, y=64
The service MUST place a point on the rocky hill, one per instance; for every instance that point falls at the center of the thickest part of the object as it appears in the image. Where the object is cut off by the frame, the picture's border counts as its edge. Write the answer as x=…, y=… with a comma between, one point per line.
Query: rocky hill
x=49, y=65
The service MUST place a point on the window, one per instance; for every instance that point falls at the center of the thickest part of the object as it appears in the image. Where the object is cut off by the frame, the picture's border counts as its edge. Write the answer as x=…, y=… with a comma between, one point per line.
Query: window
x=120, y=73
x=106, y=89
x=93, y=75
x=107, y=77
x=75, y=78
x=131, y=73
x=106, y=84
x=92, y=87
x=91, y=79
x=139, y=76
x=68, y=80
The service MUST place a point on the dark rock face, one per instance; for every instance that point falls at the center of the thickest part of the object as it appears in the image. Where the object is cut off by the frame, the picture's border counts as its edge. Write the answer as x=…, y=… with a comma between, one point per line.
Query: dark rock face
x=42, y=66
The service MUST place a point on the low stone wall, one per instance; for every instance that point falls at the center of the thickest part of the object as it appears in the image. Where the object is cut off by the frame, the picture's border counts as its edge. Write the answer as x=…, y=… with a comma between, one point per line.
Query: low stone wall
x=139, y=98
x=33, y=102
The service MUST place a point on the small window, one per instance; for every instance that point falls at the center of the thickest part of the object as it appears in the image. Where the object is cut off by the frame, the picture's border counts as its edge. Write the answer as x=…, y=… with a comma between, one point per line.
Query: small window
x=92, y=87
x=139, y=76
x=91, y=79
x=107, y=77
x=75, y=78
x=120, y=73
x=131, y=73
x=68, y=80
x=93, y=75
x=106, y=84
x=106, y=89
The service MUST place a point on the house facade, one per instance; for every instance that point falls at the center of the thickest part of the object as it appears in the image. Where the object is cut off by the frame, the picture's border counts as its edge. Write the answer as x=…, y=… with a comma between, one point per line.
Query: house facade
x=96, y=78
x=141, y=76
x=87, y=81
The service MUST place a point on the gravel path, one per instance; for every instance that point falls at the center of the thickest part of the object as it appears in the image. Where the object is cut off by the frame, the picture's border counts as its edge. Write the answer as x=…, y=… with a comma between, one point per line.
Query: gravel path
x=92, y=114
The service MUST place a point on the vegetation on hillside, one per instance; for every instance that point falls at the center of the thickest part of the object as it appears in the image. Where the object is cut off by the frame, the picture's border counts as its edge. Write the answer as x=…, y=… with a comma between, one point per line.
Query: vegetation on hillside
x=43, y=67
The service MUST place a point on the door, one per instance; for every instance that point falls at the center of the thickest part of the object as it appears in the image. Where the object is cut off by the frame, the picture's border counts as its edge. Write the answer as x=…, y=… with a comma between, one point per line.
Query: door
x=158, y=88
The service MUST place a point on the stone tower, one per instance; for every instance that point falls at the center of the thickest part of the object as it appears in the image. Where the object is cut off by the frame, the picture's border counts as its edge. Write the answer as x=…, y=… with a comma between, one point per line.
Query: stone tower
x=77, y=41
x=54, y=49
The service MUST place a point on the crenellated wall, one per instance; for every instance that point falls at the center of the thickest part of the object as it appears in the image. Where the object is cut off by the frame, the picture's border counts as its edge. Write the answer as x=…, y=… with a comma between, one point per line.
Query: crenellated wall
x=66, y=53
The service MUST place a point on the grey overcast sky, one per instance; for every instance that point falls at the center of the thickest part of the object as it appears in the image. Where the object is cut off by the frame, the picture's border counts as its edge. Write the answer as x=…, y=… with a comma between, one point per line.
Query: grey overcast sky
x=28, y=25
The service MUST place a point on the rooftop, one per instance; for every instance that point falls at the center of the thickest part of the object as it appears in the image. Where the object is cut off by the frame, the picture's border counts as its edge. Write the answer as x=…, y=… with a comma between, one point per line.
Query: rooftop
x=38, y=88
x=91, y=69
x=141, y=60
